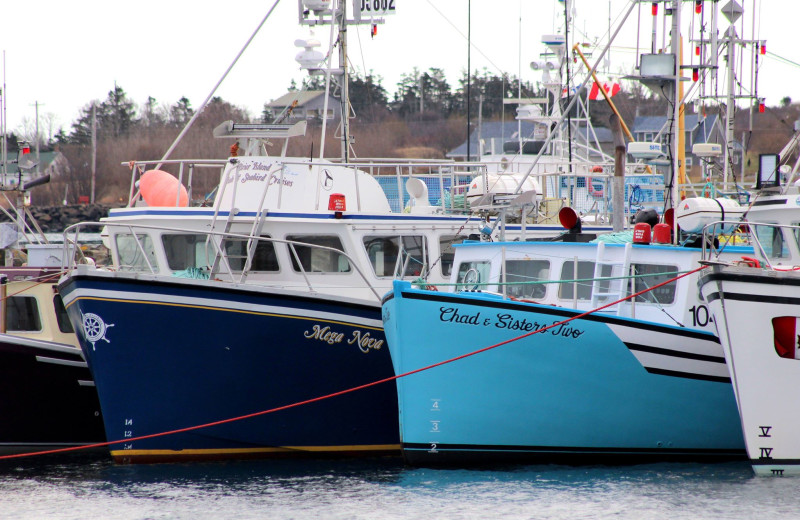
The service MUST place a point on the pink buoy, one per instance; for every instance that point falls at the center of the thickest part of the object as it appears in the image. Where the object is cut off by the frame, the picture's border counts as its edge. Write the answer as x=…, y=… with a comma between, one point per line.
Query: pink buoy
x=160, y=188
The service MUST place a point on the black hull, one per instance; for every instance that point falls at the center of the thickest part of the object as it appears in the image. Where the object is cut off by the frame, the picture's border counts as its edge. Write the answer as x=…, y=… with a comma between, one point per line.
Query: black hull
x=47, y=397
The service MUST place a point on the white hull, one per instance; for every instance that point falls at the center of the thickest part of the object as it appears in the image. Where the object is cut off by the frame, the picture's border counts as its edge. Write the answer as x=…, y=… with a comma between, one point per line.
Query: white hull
x=744, y=301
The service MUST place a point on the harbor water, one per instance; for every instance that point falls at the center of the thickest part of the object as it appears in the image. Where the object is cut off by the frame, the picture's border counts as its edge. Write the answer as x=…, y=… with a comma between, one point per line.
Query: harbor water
x=386, y=489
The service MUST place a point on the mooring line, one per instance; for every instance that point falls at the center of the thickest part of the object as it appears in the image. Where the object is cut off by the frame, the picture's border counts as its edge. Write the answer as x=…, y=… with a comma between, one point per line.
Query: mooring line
x=342, y=392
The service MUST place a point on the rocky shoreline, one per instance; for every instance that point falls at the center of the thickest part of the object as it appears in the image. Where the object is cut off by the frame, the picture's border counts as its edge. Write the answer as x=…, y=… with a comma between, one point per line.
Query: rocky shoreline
x=54, y=219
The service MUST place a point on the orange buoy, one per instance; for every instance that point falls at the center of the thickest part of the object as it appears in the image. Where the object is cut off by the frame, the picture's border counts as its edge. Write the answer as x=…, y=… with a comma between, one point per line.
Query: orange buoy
x=160, y=188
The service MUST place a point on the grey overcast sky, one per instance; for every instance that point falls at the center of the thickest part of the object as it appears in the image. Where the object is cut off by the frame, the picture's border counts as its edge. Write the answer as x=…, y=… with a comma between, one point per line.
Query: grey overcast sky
x=63, y=54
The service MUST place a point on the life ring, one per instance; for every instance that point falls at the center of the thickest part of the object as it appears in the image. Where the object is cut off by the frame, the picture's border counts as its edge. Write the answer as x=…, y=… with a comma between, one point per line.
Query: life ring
x=751, y=262
x=593, y=191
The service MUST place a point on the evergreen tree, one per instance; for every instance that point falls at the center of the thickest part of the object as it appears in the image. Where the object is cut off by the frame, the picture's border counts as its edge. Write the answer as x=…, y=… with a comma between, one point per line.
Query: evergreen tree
x=118, y=113
x=115, y=117
x=181, y=112
x=368, y=98
x=152, y=115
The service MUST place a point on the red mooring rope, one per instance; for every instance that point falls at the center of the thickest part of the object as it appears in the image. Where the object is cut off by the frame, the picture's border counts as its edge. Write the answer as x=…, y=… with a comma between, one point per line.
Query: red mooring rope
x=342, y=392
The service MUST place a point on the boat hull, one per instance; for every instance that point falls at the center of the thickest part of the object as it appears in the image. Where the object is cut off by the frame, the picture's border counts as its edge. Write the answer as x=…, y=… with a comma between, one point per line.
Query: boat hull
x=596, y=389
x=744, y=302
x=175, y=354
x=49, y=401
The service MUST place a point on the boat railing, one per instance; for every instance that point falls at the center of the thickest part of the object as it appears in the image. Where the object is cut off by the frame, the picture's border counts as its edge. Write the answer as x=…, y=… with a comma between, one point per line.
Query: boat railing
x=586, y=187
x=73, y=255
x=770, y=241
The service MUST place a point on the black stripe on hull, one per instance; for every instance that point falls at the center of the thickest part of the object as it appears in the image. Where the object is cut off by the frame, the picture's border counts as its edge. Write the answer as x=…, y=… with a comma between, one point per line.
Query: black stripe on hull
x=471, y=455
x=770, y=202
x=675, y=353
x=755, y=298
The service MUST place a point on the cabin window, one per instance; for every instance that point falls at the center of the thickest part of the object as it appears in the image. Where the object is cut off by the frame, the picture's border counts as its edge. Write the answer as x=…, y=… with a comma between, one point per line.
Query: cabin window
x=22, y=314
x=396, y=256
x=264, y=257
x=473, y=275
x=649, y=275
x=135, y=252
x=447, y=253
x=317, y=259
x=582, y=280
x=185, y=251
x=62, y=319
x=771, y=240
x=524, y=273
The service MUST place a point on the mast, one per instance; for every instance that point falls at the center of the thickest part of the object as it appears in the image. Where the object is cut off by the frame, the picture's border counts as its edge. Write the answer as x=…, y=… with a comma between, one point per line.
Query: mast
x=342, y=18
x=677, y=142
x=324, y=12
x=730, y=104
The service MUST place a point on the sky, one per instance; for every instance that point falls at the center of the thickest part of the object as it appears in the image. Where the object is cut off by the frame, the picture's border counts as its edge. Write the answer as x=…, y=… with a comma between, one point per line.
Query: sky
x=63, y=55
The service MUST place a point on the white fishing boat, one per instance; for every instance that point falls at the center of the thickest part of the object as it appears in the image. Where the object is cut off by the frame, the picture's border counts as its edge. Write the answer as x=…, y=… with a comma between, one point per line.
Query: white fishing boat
x=755, y=303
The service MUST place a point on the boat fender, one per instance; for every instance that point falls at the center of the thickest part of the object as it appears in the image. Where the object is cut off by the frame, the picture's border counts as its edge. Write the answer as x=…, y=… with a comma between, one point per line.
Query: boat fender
x=160, y=188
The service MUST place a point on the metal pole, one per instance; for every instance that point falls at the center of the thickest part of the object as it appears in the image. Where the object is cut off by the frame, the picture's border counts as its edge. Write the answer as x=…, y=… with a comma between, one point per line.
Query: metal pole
x=345, y=81
x=94, y=150
x=676, y=108
x=3, y=303
x=469, y=74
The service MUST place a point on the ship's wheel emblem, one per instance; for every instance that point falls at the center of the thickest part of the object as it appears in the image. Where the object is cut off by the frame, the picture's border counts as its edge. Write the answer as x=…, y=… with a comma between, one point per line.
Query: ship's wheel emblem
x=94, y=328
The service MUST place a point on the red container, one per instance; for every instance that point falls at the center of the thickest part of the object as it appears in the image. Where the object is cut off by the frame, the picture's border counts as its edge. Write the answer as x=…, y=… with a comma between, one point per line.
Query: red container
x=337, y=202
x=662, y=234
x=641, y=233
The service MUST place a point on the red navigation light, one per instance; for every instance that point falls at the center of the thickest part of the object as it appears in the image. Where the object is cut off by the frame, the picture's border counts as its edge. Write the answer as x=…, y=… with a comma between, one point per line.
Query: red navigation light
x=762, y=108
x=374, y=30
x=695, y=74
x=763, y=47
x=697, y=50
x=26, y=150
x=698, y=6
x=655, y=8
x=336, y=202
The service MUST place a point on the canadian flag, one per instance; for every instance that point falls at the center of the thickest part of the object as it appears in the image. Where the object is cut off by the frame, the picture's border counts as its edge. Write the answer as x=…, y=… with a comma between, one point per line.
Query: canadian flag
x=611, y=88
x=786, y=338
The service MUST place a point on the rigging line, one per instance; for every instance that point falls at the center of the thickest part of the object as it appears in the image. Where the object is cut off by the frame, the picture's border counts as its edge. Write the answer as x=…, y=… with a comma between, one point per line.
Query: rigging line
x=446, y=19
x=346, y=391
x=782, y=59
x=366, y=77
x=211, y=94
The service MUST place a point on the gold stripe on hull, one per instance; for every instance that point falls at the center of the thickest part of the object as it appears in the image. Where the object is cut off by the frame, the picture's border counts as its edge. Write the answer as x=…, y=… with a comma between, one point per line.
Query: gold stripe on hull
x=128, y=456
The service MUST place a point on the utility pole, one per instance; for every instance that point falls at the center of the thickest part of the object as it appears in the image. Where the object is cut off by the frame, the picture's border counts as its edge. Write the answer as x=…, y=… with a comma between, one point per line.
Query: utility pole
x=94, y=150
x=36, y=104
